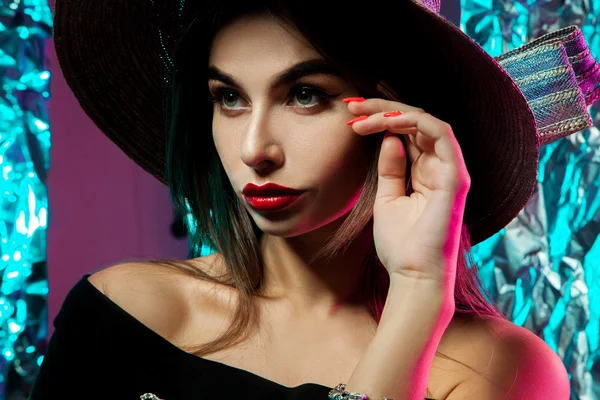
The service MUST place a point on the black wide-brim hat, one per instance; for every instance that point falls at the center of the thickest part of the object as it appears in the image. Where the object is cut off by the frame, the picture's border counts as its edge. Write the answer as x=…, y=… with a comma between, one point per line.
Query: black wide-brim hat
x=112, y=56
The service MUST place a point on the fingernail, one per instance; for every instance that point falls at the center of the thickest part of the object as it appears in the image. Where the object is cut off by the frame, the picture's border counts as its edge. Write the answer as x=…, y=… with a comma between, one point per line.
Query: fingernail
x=349, y=99
x=361, y=118
x=392, y=114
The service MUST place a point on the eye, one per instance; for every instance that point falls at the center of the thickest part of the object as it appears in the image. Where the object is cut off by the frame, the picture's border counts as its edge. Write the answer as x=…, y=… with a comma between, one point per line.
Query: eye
x=300, y=97
x=308, y=96
x=226, y=99
x=230, y=99
x=304, y=96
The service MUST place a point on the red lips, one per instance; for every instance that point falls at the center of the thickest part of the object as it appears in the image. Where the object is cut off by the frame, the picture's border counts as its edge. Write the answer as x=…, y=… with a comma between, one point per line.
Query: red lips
x=268, y=189
x=270, y=196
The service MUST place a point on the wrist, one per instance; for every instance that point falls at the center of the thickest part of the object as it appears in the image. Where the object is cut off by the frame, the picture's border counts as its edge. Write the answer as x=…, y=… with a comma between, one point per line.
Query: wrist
x=408, y=335
x=404, y=287
x=421, y=299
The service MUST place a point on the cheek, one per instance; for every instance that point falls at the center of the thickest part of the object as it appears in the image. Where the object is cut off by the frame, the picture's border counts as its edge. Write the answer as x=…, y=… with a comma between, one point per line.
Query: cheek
x=336, y=164
x=225, y=150
x=320, y=149
x=335, y=151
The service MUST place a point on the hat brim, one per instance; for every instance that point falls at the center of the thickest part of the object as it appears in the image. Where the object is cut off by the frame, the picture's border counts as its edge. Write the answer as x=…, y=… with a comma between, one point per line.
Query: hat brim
x=108, y=55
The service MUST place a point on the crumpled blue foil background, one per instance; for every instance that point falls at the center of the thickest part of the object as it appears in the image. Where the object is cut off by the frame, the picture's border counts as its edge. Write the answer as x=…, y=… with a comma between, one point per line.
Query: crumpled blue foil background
x=24, y=161
x=543, y=268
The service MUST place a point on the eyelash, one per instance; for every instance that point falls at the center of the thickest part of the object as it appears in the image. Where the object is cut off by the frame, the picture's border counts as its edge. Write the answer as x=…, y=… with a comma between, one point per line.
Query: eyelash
x=221, y=92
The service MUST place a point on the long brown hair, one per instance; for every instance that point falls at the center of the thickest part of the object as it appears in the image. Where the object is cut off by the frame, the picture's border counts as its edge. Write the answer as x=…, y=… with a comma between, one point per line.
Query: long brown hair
x=202, y=194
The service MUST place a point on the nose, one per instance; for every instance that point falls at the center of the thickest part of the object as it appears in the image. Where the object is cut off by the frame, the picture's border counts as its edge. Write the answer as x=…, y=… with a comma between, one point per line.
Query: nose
x=260, y=149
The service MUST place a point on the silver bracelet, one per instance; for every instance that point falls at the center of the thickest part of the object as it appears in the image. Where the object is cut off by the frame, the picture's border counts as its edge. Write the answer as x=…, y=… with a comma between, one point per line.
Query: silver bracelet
x=338, y=393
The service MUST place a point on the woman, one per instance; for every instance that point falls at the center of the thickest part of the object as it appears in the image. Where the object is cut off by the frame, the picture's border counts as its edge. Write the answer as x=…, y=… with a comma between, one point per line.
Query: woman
x=357, y=272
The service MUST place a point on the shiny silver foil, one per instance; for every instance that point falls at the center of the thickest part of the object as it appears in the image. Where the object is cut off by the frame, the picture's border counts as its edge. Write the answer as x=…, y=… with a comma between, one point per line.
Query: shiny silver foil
x=25, y=27
x=543, y=269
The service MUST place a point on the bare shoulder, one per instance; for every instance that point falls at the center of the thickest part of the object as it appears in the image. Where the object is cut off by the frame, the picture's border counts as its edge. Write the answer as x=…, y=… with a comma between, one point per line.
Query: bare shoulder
x=501, y=358
x=143, y=274
x=162, y=298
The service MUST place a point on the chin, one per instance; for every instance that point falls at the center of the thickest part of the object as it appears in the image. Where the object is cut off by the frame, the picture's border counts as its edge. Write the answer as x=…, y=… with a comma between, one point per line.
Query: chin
x=284, y=227
x=296, y=225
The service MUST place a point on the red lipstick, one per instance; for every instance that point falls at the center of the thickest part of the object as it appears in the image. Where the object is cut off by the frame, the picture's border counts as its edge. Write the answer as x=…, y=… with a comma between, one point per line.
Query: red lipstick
x=270, y=196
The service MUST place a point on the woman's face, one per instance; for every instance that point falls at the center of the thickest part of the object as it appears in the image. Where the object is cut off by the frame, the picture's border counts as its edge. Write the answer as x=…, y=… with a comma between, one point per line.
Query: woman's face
x=274, y=122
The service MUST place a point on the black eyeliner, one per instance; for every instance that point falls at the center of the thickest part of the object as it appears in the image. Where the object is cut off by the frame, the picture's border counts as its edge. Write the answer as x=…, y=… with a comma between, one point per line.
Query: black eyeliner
x=220, y=92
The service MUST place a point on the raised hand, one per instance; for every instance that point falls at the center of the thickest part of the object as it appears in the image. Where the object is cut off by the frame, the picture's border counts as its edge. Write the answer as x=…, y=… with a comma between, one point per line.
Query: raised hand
x=417, y=236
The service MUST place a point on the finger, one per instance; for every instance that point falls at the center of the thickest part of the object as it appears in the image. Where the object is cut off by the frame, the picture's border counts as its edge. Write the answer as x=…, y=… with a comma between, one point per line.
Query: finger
x=376, y=105
x=446, y=146
x=369, y=124
x=391, y=169
x=410, y=144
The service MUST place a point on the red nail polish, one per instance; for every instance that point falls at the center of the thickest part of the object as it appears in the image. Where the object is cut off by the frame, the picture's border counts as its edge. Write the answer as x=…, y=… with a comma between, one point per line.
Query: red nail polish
x=361, y=118
x=358, y=99
x=392, y=114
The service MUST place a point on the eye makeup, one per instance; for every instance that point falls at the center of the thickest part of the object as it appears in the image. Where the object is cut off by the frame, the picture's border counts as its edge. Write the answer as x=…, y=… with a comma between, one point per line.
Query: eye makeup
x=219, y=95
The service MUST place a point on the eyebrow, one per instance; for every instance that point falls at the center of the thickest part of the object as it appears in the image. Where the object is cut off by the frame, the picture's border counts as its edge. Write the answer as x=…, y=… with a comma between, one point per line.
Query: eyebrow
x=295, y=72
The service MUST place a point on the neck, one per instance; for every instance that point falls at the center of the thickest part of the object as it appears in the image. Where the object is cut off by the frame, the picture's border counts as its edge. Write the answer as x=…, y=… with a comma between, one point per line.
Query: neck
x=320, y=288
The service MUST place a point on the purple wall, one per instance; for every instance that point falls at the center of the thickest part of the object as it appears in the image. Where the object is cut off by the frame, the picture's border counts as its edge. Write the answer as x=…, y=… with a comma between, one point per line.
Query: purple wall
x=103, y=208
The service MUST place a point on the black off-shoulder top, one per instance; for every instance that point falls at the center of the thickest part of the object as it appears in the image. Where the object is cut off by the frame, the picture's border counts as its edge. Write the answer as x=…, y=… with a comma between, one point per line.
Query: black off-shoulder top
x=99, y=351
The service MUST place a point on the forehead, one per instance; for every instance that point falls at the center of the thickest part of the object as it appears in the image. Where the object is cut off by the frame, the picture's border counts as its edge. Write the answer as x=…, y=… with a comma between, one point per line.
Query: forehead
x=255, y=40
